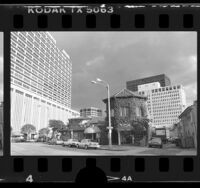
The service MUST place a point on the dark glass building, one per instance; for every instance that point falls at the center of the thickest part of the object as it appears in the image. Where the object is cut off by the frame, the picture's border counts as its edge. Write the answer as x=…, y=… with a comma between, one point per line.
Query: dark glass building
x=162, y=79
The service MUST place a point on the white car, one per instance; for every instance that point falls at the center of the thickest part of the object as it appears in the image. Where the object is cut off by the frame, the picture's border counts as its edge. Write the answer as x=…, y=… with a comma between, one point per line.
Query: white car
x=156, y=142
x=71, y=143
x=59, y=142
x=88, y=143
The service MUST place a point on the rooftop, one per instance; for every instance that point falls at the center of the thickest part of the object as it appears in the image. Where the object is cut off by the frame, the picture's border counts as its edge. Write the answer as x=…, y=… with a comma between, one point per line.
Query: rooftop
x=126, y=93
x=149, y=77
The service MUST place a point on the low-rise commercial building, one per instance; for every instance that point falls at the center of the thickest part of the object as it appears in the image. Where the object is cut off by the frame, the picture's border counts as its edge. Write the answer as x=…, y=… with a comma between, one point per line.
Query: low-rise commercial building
x=86, y=128
x=187, y=129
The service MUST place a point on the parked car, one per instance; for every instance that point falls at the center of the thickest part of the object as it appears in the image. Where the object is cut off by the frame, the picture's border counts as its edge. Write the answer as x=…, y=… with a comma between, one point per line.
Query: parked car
x=18, y=138
x=88, y=143
x=41, y=139
x=71, y=143
x=59, y=142
x=156, y=142
x=52, y=141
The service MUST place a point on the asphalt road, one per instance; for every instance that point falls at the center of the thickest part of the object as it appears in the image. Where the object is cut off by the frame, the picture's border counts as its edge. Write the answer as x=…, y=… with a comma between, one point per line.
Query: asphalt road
x=43, y=149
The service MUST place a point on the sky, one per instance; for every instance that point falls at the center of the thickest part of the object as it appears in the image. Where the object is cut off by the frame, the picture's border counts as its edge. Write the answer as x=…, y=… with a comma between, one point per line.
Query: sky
x=117, y=57
x=1, y=66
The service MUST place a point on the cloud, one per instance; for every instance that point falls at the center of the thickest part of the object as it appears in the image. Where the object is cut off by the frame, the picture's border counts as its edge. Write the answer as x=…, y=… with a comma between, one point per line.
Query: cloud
x=118, y=57
x=191, y=93
x=95, y=61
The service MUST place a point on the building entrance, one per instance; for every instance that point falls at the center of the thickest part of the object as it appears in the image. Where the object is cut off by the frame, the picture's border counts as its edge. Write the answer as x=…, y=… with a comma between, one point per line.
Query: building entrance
x=127, y=137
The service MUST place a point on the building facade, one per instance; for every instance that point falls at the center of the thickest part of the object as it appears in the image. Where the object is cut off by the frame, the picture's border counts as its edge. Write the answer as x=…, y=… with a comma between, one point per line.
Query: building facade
x=162, y=79
x=187, y=130
x=165, y=104
x=91, y=112
x=129, y=118
x=40, y=81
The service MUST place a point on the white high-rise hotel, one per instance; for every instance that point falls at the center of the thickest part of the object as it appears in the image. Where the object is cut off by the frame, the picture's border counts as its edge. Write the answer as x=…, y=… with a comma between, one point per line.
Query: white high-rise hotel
x=40, y=81
x=165, y=104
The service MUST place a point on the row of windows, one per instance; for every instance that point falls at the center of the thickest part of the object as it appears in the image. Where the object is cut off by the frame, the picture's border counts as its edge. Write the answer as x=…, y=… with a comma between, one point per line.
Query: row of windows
x=57, y=75
x=165, y=120
x=162, y=95
x=52, y=50
x=26, y=73
x=165, y=103
x=35, y=90
x=47, y=57
x=37, y=85
x=93, y=110
x=166, y=88
x=22, y=41
x=124, y=111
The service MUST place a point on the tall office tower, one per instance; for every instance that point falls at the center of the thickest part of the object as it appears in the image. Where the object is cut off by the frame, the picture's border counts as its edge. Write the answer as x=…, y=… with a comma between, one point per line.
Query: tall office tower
x=165, y=104
x=91, y=112
x=40, y=80
x=162, y=79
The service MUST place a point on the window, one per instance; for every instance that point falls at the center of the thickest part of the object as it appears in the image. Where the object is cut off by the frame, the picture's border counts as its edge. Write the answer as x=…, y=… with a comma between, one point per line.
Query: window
x=112, y=112
x=138, y=111
x=124, y=111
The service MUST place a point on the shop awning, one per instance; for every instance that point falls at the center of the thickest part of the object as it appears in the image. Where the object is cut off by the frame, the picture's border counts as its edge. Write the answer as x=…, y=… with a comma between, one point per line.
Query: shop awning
x=91, y=130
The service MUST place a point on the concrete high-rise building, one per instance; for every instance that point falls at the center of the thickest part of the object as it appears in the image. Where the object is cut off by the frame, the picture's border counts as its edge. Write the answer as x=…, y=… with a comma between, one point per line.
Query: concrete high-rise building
x=91, y=112
x=162, y=79
x=165, y=104
x=40, y=80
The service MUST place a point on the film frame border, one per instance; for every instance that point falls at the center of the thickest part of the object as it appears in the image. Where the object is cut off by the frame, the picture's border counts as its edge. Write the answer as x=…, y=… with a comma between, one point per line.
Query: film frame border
x=167, y=168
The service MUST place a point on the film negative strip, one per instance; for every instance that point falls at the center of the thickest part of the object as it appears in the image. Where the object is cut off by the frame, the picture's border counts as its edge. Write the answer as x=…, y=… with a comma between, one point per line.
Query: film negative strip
x=142, y=123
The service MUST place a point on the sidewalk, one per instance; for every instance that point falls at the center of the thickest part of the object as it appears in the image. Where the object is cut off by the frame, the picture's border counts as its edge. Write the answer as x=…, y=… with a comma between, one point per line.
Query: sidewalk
x=192, y=152
x=121, y=147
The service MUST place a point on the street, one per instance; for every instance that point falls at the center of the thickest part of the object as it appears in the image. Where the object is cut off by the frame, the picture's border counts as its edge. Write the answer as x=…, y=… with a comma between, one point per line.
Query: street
x=43, y=149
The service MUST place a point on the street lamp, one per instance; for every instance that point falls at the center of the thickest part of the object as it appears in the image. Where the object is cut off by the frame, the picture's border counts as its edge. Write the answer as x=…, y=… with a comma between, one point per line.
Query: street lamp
x=101, y=82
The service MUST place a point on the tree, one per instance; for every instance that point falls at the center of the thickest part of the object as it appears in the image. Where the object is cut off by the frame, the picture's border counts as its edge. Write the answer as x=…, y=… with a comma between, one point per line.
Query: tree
x=141, y=128
x=44, y=132
x=56, y=125
x=28, y=129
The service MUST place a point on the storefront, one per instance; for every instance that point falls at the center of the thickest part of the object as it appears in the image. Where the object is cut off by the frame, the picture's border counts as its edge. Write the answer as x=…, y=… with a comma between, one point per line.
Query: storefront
x=92, y=132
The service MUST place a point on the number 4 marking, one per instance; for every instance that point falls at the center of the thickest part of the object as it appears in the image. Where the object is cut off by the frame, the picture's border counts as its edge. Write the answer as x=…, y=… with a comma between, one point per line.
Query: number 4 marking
x=29, y=179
